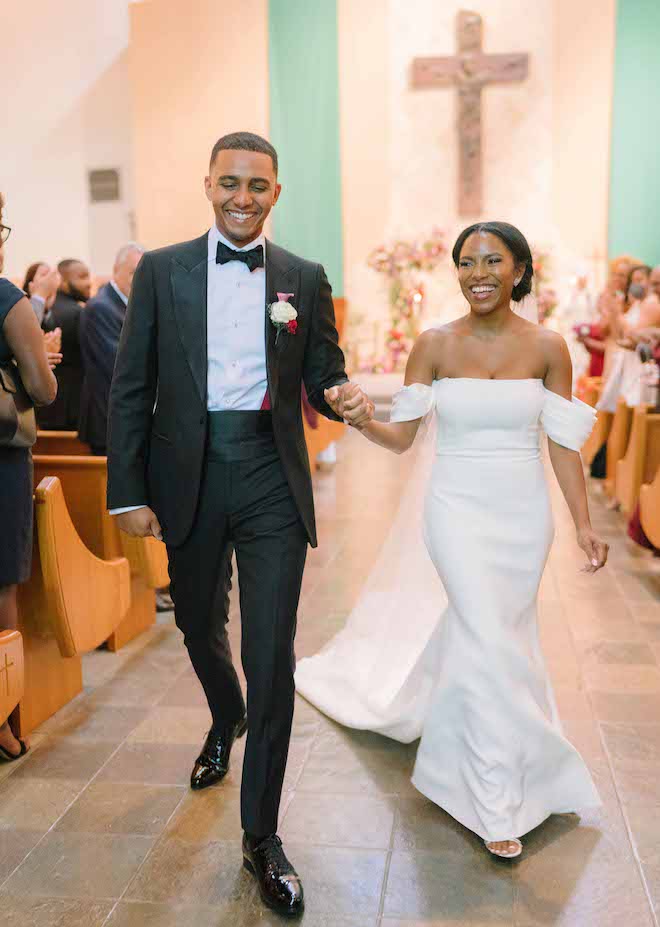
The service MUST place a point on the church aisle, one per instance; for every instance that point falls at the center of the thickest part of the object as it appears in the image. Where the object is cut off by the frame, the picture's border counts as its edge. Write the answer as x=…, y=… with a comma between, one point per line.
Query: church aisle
x=98, y=827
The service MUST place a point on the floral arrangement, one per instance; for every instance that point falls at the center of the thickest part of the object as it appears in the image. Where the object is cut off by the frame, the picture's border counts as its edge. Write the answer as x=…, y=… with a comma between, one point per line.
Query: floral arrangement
x=546, y=296
x=402, y=263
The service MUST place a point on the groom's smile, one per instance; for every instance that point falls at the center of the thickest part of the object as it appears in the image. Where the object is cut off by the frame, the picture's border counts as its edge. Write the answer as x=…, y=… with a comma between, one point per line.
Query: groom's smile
x=242, y=187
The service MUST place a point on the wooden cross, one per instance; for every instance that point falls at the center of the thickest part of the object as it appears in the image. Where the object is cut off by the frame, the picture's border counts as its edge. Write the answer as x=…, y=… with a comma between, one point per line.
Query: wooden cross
x=469, y=71
x=5, y=669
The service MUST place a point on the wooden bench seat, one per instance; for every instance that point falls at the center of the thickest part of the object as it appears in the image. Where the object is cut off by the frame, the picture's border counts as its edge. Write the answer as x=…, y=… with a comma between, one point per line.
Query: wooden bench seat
x=12, y=674
x=640, y=462
x=84, y=482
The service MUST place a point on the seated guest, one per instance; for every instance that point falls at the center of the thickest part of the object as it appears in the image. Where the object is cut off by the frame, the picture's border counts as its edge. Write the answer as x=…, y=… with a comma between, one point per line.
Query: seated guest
x=21, y=341
x=624, y=378
x=74, y=291
x=41, y=284
x=100, y=328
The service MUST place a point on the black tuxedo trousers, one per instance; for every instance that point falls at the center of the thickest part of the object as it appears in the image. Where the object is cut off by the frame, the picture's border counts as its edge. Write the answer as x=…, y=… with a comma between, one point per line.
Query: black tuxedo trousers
x=245, y=506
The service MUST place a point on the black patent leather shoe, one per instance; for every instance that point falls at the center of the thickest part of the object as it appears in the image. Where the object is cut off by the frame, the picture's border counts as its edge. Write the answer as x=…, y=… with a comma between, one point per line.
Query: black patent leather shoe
x=212, y=764
x=279, y=883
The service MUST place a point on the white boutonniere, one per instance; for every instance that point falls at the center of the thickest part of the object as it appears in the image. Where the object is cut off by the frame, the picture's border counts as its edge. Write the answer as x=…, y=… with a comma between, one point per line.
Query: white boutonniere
x=283, y=315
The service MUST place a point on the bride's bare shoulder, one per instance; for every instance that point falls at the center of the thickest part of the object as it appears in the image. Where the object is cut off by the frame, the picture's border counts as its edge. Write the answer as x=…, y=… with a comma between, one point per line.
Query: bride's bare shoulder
x=435, y=339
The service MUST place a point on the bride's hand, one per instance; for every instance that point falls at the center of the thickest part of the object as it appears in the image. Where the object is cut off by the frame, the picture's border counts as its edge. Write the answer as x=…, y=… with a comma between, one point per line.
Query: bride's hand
x=595, y=549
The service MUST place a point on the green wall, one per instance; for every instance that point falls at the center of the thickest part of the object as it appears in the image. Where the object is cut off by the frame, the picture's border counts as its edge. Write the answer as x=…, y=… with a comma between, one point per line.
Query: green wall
x=304, y=127
x=634, y=218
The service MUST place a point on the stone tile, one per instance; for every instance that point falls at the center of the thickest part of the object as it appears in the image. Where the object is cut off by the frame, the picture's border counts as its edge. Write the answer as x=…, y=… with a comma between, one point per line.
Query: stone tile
x=152, y=764
x=579, y=888
x=14, y=847
x=178, y=872
x=644, y=822
x=142, y=914
x=341, y=883
x=131, y=686
x=573, y=704
x=213, y=814
x=65, y=758
x=85, y=721
x=80, y=866
x=455, y=887
x=624, y=708
x=626, y=679
x=640, y=784
x=22, y=911
x=35, y=804
x=421, y=825
x=186, y=692
x=173, y=726
x=651, y=873
x=632, y=746
x=344, y=761
x=351, y=821
x=618, y=653
x=122, y=808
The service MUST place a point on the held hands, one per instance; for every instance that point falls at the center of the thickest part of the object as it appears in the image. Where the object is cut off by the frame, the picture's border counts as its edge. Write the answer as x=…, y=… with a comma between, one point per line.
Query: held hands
x=351, y=403
x=140, y=523
x=595, y=549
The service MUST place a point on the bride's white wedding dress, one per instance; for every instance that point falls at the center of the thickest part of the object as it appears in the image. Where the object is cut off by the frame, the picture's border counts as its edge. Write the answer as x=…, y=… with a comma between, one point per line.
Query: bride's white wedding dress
x=452, y=653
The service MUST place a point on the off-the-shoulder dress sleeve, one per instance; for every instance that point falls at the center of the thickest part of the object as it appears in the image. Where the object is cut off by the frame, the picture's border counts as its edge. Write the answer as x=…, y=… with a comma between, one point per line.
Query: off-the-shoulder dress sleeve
x=567, y=423
x=411, y=402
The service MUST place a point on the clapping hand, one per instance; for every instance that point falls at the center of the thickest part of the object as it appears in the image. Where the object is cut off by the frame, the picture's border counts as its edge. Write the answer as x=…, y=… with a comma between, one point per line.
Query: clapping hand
x=53, y=343
x=595, y=549
x=45, y=284
x=351, y=403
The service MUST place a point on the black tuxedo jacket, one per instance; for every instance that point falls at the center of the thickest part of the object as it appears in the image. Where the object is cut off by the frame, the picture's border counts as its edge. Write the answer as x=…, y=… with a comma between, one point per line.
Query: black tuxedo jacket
x=65, y=313
x=158, y=402
x=100, y=330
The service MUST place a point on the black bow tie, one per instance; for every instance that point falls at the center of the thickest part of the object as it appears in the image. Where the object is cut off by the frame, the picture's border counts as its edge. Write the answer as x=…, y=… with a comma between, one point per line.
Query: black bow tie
x=252, y=259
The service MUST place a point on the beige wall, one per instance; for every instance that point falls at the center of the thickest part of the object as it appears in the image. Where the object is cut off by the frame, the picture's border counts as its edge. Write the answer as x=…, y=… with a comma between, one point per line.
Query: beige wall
x=198, y=70
x=64, y=111
x=583, y=81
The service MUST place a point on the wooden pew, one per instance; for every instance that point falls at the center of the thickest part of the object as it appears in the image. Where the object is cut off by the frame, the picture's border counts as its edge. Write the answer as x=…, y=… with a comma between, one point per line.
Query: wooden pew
x=640, y=462
x=12, y=673
x=649, y=509
x=617, y=443
x=598, y=437
x=84, y=481
x=60, y=442
x=69, y=606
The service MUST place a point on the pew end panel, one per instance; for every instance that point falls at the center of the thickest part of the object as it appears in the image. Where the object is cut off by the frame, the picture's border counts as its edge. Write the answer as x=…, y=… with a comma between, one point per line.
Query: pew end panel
x=649, y=509
x=90, y=596
x=51, y=679
x=617, y=443
x=12, y=672
x=84, y=482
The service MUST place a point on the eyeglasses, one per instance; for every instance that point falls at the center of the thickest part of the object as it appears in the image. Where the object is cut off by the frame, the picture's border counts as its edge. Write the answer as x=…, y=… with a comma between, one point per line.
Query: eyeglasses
x=5, y=232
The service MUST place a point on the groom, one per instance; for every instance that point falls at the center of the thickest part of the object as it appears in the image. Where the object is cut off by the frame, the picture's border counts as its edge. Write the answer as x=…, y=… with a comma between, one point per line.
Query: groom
x=207, y=450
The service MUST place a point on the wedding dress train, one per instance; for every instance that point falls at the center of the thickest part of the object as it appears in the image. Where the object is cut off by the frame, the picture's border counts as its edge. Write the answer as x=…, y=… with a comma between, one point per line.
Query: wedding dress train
x=447, y=648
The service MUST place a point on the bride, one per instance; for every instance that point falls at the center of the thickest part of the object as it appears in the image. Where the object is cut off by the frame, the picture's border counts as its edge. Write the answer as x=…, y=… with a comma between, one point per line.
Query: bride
x=472, y=681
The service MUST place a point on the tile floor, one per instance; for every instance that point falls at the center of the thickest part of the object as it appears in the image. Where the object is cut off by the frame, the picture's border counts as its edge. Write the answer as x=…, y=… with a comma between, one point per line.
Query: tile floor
x=98, y=827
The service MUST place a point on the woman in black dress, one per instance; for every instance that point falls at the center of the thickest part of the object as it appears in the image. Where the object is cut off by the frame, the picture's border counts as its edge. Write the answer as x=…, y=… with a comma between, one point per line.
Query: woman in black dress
x=21, y=338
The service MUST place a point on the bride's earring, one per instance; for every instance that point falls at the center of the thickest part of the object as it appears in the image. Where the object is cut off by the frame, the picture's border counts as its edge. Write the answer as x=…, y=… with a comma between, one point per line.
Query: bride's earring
x=516, y=282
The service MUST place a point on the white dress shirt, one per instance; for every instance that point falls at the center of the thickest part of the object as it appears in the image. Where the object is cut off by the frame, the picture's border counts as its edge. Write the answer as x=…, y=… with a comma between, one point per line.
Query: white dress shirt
x=236, y=334
x=236, y=331
x=119, y=293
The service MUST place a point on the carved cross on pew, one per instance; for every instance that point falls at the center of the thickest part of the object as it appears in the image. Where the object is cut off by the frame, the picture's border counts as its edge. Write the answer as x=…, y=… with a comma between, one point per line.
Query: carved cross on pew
x=5, y=669
x=469, y=71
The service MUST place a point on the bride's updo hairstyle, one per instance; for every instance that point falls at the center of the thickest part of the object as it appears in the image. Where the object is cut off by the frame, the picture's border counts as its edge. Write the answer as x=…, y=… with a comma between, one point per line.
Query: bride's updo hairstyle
x=515, y=241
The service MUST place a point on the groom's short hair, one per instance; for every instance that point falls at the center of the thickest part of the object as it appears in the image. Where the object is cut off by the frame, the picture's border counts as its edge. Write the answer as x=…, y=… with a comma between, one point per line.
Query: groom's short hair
x=244, y=141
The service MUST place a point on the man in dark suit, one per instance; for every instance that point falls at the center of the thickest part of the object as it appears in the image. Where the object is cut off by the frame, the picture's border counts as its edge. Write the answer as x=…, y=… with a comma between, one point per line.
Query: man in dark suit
x=206, y=447
x=65, y=313
x=100, y=328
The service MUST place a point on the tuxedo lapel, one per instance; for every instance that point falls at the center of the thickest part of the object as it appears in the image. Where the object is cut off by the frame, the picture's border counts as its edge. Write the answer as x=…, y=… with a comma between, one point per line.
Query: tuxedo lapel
x=281, y=277
x=188, y=277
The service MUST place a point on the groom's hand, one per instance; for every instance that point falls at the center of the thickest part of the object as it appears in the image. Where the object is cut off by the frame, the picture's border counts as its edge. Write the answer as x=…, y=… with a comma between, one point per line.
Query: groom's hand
x=140, y=523
x=351, y=403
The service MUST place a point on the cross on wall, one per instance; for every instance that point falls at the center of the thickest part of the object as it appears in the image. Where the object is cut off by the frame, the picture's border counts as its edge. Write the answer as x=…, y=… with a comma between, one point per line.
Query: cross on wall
x=469, y=71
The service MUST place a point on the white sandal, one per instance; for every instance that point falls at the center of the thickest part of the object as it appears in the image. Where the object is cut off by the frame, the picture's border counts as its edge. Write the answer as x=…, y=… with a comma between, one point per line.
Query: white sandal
x=512, y=855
